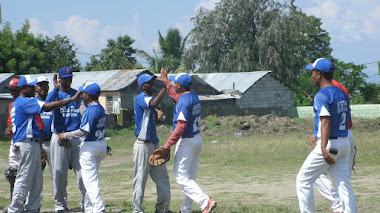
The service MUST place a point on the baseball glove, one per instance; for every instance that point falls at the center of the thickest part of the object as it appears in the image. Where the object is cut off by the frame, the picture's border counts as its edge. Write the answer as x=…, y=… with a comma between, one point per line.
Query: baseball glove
x=159, y=157
x=64, y=143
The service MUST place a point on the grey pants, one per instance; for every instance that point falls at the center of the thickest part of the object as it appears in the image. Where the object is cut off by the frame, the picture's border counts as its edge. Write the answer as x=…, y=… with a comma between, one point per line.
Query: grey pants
x=29, y=177
x=159, y=174
x=61, y=157
x=46, y=147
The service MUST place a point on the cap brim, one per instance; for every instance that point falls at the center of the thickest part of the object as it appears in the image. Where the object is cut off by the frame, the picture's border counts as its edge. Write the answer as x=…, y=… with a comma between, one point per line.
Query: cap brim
x=172, y=78
x=32, y=83
x=81, y=89
x=310, y=67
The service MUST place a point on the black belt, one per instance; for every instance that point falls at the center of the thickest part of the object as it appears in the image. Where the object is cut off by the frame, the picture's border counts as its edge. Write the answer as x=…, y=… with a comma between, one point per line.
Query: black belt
x=332, y=138
x=33, y=139
x=46, y=139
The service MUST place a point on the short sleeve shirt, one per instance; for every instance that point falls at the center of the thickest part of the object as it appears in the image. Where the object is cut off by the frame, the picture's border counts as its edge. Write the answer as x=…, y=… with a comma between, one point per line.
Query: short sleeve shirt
x=94, y=122
x=188, y=108
x=145, y=120
x=332, y=102
x=24, y=123
x=46, y=119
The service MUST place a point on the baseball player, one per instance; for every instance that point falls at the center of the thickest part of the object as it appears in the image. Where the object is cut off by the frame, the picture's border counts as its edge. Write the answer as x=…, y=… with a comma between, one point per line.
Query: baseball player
x=146, y=142
x=323, y=183
x=26, y=138
x=332, y=152
x=93, y=149
x=66, y=119
x=186, y=125
x=42, y=89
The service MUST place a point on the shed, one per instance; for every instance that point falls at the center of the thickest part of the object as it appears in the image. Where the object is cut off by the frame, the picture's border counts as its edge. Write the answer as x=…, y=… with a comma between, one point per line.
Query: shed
x=257, y=93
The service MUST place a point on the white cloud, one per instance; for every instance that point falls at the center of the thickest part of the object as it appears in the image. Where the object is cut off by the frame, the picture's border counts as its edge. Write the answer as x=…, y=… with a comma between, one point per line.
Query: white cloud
x=37, y=28
x=207, y=4
x=348, y=20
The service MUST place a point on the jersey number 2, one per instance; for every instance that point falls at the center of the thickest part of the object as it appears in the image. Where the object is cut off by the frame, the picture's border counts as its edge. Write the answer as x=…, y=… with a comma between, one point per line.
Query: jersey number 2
x=342, y=125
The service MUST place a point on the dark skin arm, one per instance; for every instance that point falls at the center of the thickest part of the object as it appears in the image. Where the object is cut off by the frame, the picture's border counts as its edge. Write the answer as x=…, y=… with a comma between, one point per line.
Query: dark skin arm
x=156, y=101
x=325, y=134
x=57, y=104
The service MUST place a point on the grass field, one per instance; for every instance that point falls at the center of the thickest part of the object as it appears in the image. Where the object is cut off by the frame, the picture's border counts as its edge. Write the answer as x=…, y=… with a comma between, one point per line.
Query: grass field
x=253, y=173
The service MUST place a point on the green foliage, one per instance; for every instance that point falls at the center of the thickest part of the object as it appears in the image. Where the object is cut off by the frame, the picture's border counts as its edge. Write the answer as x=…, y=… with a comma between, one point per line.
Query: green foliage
x=170, y=54
x=25, y=53
x=117, y=55
x=250, y=35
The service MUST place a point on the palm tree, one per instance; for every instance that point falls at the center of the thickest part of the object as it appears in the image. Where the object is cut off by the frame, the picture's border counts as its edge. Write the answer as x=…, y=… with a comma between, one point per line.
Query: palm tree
x=170, y=54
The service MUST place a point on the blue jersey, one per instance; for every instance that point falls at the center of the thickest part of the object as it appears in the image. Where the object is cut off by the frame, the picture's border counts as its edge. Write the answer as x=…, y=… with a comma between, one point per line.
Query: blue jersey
x=332, y=102
x=67, y=118
x=145, y=119
x=24, y=124
x=188, y=108
x=94, y=122
x=46, y=119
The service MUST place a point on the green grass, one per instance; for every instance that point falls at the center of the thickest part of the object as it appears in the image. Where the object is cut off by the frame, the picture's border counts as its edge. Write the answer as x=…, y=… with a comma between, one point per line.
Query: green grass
x=246, y=174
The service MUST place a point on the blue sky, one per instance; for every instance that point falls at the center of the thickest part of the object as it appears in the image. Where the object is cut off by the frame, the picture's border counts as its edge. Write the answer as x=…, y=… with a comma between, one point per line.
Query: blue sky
x=354, y=26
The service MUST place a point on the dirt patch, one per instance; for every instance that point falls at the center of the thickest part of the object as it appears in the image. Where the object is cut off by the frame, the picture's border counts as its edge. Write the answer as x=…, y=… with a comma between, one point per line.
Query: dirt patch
x=269, y=125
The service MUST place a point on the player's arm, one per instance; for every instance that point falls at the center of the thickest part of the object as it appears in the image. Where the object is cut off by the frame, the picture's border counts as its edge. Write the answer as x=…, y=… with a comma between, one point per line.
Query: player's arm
x=177, y=134
x=325, y=135
x=73, y=134
x=156, y=101
x=57, y=104
x=169, y=88
x=54, y=93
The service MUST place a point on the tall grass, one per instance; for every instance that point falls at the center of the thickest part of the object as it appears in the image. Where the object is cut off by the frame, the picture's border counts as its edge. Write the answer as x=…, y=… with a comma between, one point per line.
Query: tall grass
x=243, y=174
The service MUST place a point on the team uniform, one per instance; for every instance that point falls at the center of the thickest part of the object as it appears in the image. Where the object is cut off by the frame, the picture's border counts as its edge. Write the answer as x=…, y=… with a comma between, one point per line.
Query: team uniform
x=92, y=151
x=323, y=183
x=146, y=142
x=26, y=134
x=65, y=119
x=331, y=102
x=188, y=148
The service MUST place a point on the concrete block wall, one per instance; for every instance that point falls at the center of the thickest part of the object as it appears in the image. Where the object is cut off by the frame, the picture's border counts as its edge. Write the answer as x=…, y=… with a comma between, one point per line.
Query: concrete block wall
x=369, y=111
x=268, y=94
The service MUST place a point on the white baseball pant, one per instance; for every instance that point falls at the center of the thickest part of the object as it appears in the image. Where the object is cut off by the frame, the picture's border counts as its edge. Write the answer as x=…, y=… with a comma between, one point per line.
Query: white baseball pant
x=29, y=177
x=326, y=188
x=159, y=174
x=186, y=161
x=61, y=157
x=315, y=165
x=90, y=155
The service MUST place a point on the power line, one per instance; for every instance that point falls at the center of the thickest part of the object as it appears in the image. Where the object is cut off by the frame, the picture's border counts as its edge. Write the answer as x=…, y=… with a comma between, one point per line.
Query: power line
x=85, y=53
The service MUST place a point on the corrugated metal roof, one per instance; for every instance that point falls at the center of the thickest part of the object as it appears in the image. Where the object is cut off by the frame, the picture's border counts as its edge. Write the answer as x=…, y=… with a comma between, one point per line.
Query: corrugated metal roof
x=5, y=76
x=111, y=80
x=240, y=81
x=215, y=97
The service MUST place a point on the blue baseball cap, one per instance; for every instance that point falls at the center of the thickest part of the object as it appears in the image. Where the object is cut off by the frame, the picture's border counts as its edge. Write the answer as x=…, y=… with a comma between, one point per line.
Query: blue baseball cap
x=145, y=78
x=26, y=80
x=321, y=64
x=65, y=72
x=91, y=88
x=183, y=79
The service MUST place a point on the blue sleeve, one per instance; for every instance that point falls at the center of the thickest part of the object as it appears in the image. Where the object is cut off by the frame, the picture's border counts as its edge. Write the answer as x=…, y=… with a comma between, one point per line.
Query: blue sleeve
x=322, y=104
x=87, y=121
x=143, y=101
x=32, y=106
x=52, y=95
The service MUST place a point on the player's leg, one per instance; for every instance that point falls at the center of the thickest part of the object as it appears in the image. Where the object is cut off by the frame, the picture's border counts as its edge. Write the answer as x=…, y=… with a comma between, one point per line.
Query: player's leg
x=340, y=175
x=188, y=149
x=74, y=161
x=60, y=166
x=46, y=147
x=35, y=194
x=313, y=166
x=28, y=159
x=91, y=153
x=159, y=175
x=326, y=188
x=141, y=156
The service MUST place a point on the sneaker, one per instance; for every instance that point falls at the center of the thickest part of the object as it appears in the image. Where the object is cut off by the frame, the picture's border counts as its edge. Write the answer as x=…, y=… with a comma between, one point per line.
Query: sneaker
x=211, y=205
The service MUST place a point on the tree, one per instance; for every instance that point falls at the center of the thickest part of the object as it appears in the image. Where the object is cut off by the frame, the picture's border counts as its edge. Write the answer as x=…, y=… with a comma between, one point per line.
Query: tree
x=24, y=53
x=170, y=54
x=117, y=55
x=249, y=35
x=59, y=52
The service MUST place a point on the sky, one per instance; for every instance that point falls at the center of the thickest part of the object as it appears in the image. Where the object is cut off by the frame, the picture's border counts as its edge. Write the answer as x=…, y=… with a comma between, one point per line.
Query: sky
x=353, y=25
